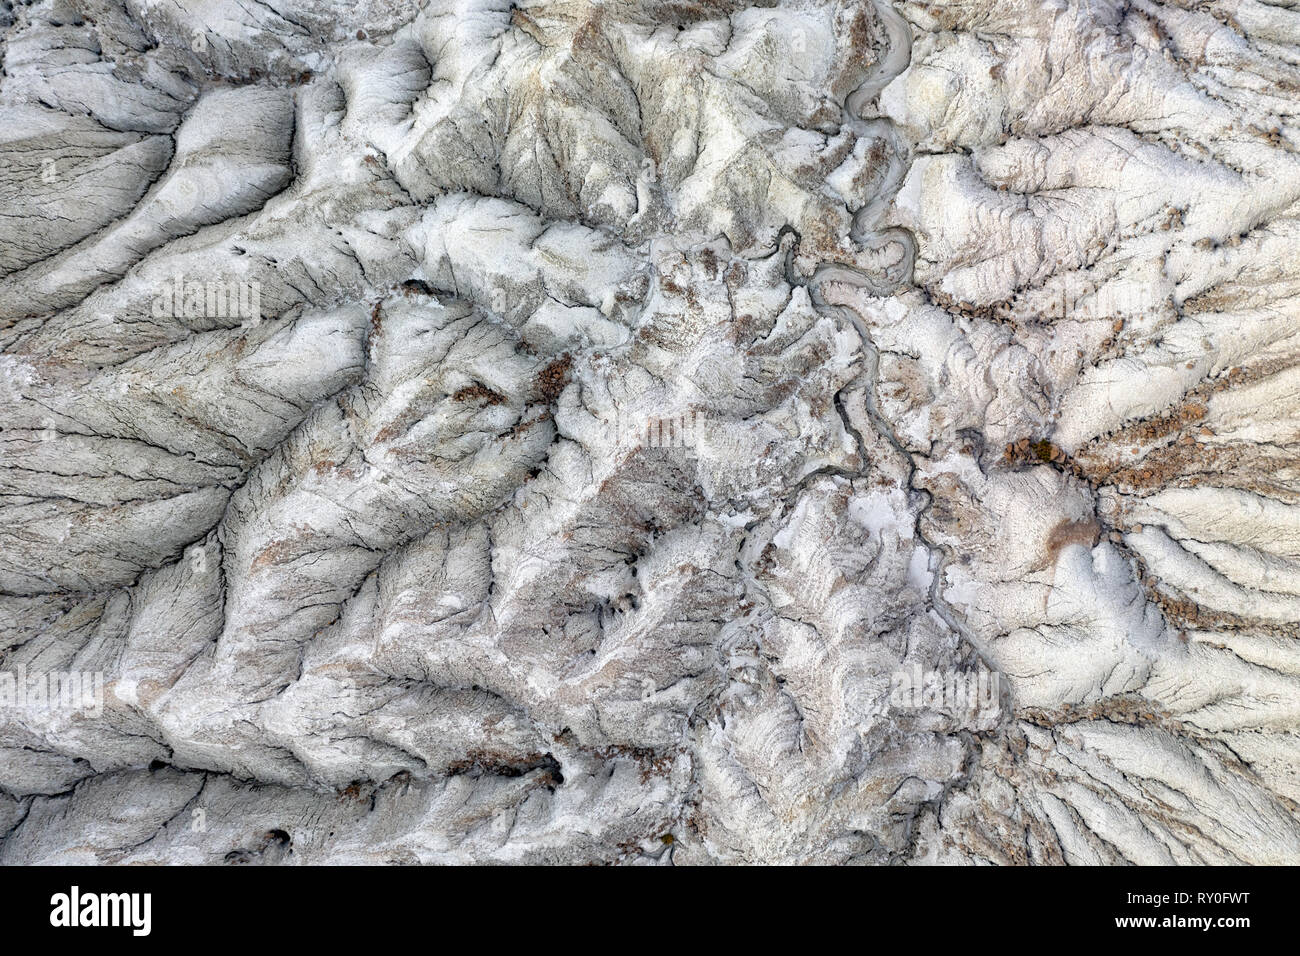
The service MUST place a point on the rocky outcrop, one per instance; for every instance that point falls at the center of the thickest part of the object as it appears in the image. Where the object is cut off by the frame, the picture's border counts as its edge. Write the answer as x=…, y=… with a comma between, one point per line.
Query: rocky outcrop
x=656, y=432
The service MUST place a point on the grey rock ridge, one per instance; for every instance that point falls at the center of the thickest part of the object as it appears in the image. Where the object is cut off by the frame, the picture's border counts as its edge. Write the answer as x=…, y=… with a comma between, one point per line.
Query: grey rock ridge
x=650, y=431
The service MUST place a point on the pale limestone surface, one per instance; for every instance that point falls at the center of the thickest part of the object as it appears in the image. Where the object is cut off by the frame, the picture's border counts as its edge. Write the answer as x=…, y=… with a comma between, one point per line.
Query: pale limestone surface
x=618, y=398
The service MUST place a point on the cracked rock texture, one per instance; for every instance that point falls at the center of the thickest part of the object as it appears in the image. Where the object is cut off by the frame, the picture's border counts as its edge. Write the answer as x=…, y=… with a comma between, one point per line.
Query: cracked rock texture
x=589, y=409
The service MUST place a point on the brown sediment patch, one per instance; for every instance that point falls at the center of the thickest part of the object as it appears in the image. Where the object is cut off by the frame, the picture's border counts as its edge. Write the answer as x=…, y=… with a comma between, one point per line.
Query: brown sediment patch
x=288, y=549
x=478, y=393
x=498, y=763
x=555, y=377
x=1084, y=531
x=1189, y=463
x=1123, y=709
x=1184, y=613
x=1040, y=451
x=399, y=425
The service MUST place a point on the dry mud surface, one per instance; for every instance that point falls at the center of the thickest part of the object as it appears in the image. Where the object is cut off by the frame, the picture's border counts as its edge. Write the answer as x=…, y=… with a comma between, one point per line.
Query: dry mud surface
x=562, y=431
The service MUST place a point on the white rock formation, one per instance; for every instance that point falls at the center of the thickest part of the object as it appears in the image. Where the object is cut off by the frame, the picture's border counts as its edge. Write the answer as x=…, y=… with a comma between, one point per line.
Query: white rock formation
x=650, y=431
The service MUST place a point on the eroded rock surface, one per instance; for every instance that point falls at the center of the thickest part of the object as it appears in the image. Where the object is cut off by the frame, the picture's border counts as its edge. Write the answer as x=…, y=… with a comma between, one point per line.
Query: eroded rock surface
x=562, y=431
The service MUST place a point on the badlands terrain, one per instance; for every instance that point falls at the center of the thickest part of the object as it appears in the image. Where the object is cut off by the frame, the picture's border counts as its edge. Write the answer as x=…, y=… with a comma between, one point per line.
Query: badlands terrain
x=463, y=431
